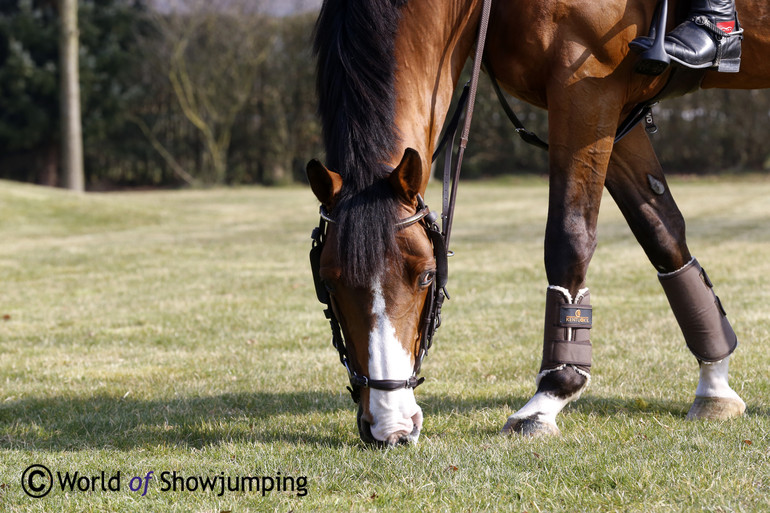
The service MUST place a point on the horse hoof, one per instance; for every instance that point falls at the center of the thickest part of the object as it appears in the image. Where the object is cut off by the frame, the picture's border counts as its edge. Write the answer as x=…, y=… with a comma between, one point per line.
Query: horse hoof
x=530, y=427
x=716, y=408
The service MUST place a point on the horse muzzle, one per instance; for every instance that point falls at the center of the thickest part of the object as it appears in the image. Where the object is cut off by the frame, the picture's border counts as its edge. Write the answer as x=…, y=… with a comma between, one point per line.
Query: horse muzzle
x=389, y=434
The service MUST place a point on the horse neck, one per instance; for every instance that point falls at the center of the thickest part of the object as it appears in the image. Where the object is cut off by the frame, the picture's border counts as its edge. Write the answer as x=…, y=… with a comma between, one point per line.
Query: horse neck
x=434, y=40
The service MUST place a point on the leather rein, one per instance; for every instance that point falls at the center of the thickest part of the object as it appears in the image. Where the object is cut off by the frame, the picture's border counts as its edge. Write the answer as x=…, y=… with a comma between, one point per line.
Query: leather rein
x=431, y=315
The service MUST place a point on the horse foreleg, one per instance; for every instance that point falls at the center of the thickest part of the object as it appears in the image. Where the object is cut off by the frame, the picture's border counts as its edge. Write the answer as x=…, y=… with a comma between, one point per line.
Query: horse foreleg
x=636, y=182
x=580, y=148
x=566, y=364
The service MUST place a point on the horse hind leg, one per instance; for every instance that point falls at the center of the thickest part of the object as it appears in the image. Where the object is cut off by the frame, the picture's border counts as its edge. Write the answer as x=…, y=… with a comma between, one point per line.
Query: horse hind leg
x=709, y=336
x=636, y=183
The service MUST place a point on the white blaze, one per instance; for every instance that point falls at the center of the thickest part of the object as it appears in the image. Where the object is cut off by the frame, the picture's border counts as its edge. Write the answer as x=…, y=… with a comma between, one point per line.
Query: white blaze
x=395, y=410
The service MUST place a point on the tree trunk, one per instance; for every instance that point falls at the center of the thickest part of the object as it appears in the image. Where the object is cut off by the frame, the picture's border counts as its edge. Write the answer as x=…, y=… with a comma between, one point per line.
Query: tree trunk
x=48, y=165
x=71, y=128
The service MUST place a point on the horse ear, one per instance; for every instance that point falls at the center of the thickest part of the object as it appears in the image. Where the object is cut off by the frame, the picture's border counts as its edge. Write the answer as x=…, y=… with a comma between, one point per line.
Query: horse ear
x=406, y=179
x=326, y=184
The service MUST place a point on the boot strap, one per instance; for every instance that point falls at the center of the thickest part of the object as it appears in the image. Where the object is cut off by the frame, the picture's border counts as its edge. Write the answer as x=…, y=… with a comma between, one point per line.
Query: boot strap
x=703, y=21
x=561, y=352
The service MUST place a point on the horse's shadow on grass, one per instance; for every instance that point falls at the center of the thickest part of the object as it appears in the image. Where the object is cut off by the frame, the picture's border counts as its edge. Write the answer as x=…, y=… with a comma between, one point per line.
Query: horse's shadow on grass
x=295, y=418
x=612, y=406
x=106, y=422
x=608, y=407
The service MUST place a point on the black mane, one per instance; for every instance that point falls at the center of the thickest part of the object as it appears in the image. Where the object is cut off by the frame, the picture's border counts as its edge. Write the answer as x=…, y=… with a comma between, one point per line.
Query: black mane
x=355, y=46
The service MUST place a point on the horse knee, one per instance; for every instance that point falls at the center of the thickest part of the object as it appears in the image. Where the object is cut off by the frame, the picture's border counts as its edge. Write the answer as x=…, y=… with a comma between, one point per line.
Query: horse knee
x=568, y=251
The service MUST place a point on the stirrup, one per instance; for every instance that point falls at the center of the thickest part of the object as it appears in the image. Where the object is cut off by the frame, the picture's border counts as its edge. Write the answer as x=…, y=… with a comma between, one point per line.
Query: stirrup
x=654, y=59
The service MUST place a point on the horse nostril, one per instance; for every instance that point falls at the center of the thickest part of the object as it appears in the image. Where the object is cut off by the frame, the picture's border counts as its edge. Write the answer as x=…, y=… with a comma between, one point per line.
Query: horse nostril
x=364, y=428
x=400, y=438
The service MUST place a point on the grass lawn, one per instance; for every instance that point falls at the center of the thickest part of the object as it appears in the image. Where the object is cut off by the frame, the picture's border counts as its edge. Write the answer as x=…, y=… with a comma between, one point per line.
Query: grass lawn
x=178, y=332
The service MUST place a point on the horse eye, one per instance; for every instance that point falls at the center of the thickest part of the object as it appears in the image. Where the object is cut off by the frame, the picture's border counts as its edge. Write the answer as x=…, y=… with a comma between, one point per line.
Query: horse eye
x=427, y=278
x=329, y=287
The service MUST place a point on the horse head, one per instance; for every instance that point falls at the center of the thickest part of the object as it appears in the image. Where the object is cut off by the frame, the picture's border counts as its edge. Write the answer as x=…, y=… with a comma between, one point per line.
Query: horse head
x=378, y=269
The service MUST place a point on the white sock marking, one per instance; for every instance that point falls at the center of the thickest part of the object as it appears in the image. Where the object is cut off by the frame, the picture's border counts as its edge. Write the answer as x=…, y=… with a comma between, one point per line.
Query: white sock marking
x=542, y=405
x=712, y=381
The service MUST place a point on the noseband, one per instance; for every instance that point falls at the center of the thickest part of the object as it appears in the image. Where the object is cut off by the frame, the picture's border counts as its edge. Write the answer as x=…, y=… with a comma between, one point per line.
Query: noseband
x=431, y=314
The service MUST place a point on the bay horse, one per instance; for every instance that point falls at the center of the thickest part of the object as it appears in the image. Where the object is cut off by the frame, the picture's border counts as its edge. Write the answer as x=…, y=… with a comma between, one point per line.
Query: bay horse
x=387, y=70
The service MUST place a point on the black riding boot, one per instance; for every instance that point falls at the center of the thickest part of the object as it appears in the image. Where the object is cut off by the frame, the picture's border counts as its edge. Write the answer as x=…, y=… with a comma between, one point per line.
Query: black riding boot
x=710, y=37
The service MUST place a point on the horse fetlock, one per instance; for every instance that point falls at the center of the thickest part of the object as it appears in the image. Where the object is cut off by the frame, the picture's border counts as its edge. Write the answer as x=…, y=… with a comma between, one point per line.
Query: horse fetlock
x=565, y=382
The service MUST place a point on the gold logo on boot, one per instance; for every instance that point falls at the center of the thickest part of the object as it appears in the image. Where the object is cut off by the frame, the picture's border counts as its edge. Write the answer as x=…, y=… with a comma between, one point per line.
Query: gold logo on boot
x=574, y=317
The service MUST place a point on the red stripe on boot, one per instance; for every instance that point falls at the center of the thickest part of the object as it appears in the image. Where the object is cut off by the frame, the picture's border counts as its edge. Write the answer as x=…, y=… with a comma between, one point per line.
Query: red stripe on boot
x=726, y=26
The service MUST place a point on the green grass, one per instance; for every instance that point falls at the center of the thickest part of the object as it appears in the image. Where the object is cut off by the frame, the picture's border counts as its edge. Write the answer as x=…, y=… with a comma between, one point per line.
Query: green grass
x=178, y=331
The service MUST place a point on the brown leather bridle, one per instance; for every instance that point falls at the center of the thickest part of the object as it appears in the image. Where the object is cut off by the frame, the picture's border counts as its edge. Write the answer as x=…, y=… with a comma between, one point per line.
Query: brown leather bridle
x=431, y=315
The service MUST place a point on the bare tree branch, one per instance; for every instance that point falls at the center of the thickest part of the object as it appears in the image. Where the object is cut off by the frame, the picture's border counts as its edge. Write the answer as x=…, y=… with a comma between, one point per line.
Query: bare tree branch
x=158, y=146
